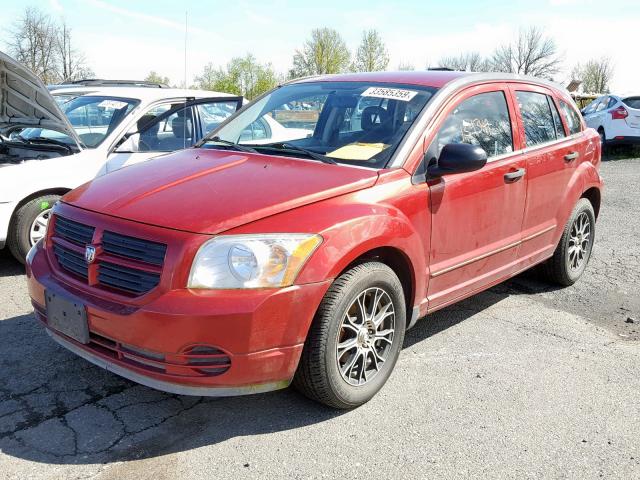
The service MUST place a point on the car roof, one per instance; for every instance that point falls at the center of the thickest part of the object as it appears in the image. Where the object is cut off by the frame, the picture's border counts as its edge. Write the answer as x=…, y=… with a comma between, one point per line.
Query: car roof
x=144, y=94
x=432, y=78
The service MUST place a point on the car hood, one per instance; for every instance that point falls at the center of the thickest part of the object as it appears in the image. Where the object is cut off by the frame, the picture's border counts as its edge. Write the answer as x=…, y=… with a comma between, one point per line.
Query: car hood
x=26, y=102
x=210, y=191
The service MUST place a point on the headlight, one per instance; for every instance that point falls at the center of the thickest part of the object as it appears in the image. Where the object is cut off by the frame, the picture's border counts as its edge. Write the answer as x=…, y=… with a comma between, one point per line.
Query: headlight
x=251, y=261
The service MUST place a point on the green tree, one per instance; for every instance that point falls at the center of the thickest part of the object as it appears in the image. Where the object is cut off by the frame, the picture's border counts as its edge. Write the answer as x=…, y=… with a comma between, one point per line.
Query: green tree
x=242, y=76
x=157, y=78
x=324, y=52
x=372, y=55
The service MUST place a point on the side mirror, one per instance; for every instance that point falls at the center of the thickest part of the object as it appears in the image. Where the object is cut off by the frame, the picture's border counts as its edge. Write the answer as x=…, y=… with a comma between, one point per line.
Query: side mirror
x=458, y=158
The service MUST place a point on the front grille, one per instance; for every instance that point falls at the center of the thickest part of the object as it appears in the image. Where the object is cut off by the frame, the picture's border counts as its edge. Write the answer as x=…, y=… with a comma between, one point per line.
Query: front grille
x=73, y=231
x=71, y=261
x=130, y=280
x=135, y=248
x=129, y=265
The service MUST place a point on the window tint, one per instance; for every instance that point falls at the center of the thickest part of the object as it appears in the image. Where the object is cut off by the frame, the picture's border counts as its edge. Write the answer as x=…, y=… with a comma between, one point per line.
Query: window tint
x=560, y=133
x=632, y=102
x=481, y=120
x=612, y=102
x=536, y=117
x=571, y=117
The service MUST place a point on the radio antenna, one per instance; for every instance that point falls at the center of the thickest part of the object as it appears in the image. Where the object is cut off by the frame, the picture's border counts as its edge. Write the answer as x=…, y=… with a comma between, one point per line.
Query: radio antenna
x=186, y=117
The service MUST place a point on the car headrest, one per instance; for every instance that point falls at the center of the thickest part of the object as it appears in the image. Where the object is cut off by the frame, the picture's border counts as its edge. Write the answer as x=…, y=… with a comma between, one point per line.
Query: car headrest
x=144, y=121
x=181, y=127
x=374, y=117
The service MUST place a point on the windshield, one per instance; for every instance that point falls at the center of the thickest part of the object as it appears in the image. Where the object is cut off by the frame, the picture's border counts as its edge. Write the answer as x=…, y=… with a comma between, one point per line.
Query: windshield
x=349, y=122
x=92, y=117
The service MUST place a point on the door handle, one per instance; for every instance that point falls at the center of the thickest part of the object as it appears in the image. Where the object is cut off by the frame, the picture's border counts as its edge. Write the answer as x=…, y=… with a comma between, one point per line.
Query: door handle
x=571, y=156
x=515, y=175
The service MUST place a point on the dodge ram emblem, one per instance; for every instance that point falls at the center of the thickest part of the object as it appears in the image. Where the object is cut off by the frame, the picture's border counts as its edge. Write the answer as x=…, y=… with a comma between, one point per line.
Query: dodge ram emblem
x=90, y=254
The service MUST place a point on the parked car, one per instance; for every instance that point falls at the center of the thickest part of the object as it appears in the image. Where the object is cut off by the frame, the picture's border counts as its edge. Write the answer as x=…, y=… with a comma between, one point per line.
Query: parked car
x=50, y=145
x=616, y=119
x=237, y=268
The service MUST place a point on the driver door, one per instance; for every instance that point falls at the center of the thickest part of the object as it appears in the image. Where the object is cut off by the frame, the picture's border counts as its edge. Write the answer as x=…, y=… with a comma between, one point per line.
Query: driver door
x=169, y=127
x=476, y=216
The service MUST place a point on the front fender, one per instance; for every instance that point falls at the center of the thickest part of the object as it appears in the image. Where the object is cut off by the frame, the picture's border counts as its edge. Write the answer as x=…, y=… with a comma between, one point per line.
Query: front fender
x=392, y=215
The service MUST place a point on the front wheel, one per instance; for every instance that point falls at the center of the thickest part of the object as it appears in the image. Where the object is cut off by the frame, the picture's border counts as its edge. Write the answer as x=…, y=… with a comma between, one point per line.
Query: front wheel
x=355, y=339
x=574, y=250
x=29, y=224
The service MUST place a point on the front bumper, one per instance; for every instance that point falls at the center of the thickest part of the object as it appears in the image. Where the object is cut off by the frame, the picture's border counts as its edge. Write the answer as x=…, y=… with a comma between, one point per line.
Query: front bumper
x=6, y=210
x=258, y=334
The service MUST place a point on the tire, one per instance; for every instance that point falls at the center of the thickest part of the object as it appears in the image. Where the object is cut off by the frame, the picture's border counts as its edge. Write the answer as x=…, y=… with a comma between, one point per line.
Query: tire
x=561, y=268
x=319, y=374
x=19, y=239
x=603, y=139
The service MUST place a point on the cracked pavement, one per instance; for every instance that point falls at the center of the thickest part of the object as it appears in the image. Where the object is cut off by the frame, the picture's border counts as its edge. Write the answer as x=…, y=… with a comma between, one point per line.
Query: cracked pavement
x=524, y=380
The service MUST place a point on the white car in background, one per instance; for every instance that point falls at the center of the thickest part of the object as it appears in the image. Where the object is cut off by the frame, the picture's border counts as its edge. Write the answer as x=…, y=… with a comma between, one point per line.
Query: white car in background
x=616, y=119
x=49, y=145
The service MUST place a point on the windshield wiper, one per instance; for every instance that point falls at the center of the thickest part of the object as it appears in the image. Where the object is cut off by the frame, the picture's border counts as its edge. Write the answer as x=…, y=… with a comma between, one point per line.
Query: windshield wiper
x=295, y=148
x=46, y=140
x=233, y=145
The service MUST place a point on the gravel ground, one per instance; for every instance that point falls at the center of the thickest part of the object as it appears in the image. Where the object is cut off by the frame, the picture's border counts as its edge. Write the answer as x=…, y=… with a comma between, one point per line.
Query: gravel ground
x=521, y=381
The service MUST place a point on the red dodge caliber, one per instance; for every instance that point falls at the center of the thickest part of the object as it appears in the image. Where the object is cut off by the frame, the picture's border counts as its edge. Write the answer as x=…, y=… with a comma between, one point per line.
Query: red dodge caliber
x=308, y=232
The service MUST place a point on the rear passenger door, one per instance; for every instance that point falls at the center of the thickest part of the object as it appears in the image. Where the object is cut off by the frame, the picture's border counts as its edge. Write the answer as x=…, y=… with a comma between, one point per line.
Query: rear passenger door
x=551, y=154
x=476, y=217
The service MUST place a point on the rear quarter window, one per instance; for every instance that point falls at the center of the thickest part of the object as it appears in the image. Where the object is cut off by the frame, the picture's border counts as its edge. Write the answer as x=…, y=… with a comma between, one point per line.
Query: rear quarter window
x=571, y=117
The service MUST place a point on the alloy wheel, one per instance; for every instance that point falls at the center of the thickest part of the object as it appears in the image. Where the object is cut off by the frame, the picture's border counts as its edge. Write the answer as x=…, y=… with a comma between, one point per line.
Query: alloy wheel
x=365, y=336
x=39, y=226
x=579, y=242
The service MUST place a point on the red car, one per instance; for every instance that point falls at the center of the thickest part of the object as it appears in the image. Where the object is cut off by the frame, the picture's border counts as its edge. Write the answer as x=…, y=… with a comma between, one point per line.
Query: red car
x=245, y=264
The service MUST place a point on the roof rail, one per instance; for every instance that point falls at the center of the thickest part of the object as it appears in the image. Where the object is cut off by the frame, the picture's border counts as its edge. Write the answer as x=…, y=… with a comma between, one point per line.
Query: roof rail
x=99, y=82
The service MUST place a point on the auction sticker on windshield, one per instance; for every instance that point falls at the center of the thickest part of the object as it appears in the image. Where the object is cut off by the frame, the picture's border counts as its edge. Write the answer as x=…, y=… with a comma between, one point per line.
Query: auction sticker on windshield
x=390, y=93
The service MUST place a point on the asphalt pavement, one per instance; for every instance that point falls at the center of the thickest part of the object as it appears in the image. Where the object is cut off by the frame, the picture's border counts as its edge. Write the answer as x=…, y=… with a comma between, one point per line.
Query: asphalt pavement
x=522, y=381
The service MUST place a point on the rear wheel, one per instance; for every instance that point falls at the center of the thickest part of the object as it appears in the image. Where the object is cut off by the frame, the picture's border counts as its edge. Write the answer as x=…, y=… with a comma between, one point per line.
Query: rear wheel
x=29, y=225
x=355, y=339
x=574, y=250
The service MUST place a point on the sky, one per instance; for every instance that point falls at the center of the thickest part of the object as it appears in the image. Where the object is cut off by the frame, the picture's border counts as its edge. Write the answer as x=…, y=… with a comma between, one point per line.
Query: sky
x=128, y=39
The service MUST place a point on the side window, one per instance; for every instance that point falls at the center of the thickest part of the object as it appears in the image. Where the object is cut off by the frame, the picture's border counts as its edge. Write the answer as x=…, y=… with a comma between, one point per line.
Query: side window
x=572, y=118
x=258, y=130
x=612, y=102
x=481, y=120
x=536, y=117
x=602, y=104
x=166, y=134
x=213, y=114
x=560, y=133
